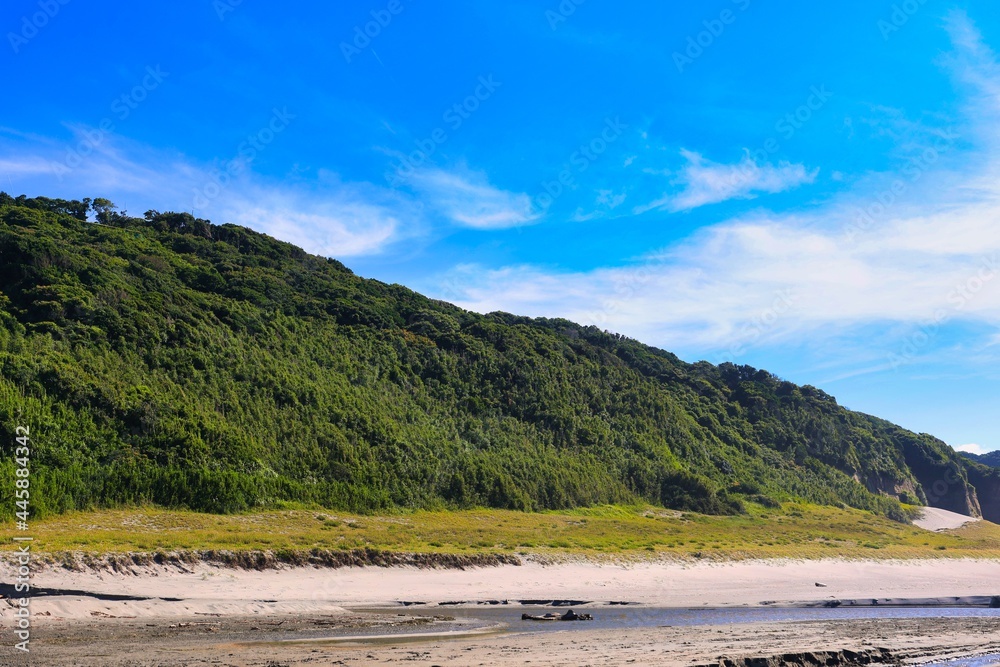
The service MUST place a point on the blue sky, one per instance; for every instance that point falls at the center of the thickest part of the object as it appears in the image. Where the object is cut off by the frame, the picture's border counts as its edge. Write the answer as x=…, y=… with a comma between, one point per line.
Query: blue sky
x=809, y=188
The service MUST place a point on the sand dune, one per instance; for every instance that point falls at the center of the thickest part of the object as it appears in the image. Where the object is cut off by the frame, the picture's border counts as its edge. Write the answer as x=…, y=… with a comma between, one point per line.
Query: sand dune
x=937, y=519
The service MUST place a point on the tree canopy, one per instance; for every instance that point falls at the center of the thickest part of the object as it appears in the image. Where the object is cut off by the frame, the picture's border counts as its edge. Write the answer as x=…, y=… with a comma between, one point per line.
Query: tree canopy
x=168, y=360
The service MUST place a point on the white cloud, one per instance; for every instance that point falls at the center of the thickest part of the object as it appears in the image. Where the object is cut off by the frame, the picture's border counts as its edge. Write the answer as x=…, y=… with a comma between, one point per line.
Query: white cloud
x=582, y=216
x=327, y=217
x=705, y=182
x=334, y=226
x=610, y=199
x=606, y=202
x=972, y=448
x=28, y=166
x=468, y=199
x=931, y=252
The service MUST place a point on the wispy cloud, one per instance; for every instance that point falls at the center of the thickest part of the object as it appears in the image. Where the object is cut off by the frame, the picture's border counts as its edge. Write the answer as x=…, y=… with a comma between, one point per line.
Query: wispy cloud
x=468, y=199
x=703, y=182
x=605, y=203
x=932, y=255
x=335, y=224
x=326, y=216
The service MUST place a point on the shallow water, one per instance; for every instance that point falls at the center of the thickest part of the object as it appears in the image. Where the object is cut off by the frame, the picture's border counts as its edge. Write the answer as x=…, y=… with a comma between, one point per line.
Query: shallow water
x=616, y=617
x=992, y=660
x=504, y=619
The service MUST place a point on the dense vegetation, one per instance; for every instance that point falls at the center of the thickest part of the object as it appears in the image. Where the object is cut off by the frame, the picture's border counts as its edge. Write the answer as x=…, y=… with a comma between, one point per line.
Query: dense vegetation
x=165, y=359
x=991, y=459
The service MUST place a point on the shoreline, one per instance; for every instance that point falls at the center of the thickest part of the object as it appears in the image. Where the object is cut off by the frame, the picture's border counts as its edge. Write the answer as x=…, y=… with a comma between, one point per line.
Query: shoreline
x=216, y=612
x=256, y=642
x=174, y=588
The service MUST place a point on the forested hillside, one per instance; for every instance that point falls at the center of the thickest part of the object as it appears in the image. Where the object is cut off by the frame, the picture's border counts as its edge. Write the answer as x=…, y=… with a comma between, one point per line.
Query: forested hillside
x=164, y=359
x=991, y=459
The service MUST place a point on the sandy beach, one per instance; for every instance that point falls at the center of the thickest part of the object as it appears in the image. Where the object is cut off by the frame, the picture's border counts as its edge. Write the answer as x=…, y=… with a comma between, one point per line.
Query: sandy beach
x=217, y=615
x=669, y=583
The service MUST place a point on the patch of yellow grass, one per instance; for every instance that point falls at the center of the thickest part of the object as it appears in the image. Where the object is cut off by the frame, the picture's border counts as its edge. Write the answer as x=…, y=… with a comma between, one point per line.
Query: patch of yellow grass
x=797, y=530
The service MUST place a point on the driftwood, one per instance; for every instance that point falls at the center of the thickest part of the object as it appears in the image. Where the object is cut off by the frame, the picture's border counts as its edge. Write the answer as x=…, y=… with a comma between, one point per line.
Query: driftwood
x=568, y=616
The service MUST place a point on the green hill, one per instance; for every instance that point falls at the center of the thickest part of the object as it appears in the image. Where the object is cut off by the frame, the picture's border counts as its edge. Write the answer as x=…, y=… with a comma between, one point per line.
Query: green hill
x=991, y=459
x=168, y=360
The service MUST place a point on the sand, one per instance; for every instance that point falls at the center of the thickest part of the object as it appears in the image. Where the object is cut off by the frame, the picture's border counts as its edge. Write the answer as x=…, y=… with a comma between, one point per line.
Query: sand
x=223, y=611
x=260, y=642
x=937, y=519
x=670, y=584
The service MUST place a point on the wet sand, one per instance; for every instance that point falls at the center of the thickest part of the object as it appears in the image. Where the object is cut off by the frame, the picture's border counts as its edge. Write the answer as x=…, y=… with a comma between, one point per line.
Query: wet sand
x=255, y=642
x=225, y=616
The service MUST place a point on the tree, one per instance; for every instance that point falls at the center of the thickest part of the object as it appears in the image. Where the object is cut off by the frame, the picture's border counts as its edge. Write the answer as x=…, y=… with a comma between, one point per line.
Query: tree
x=104, y=208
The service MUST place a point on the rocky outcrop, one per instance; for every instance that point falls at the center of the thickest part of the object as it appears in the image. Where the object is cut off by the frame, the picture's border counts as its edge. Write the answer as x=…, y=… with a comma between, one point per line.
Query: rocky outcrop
x=943, y=479
x=987, y=483
x=879, y=656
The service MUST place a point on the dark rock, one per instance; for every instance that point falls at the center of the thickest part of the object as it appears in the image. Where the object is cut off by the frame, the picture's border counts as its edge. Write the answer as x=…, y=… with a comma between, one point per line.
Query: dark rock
x=845, y=658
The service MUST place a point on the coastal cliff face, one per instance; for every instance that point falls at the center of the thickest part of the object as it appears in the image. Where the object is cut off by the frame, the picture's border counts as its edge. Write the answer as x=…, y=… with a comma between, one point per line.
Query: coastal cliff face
x=987, y=483
x=944, y=480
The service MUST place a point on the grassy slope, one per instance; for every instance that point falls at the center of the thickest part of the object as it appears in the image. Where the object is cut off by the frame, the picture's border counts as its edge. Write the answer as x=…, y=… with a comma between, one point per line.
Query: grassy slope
x=796, y=530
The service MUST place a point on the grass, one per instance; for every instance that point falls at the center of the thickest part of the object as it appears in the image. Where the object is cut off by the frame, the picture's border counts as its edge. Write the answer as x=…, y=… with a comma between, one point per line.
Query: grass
x=796, y=530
